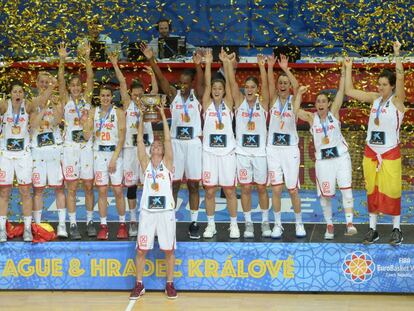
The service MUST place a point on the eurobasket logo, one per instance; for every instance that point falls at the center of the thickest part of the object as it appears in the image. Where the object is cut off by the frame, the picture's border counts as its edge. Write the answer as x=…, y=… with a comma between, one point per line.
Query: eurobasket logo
x=358, y=267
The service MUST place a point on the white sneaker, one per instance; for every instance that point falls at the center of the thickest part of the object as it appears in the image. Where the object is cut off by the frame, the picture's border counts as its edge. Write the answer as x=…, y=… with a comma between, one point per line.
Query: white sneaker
x=234, y=231
x=350, y=230
x=329, y=234
x=248, y=231
x=266, y=232
x=27, y=234
x=277, y=232
x=3, y=235
x=210, y=231
x=300, y=230
x=61, y=231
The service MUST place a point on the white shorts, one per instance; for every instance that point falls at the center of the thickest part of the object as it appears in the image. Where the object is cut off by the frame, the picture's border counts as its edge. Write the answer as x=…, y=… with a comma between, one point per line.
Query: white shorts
x=102, y=176
x=21, y=166
x=47, y=166
x=77, y=162
x=283, y=165
x=332, y=171
x=131, y=167
x=251, y=169
x=187, y=159
x=160, y=223
x=219, y=170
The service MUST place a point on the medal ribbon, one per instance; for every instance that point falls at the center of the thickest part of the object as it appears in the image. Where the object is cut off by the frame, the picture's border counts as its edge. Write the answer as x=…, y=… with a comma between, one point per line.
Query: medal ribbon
x=283, y=110
x=185, y=104
x=16, y=116
x=324, y=126
x=102, y=120
x=77, y=109
x=377, y=114
x=219, y=111
x=250, y=114
x=137, y=114
x=154, y=173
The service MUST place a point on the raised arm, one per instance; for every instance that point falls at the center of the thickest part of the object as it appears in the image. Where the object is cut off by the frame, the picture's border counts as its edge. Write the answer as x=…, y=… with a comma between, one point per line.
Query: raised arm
x=339, y=97
x=85, y=51
x=227, y=65
x=284, y=65
x=168, y=150
x=63, y=54
x=271, y=61
x=154, y=83
x=199, y=75
x=169, y=90
x=231, y=78
x=261, y=60
x=399, y=84
x=363, y=96
x=142, y=153
x=126, y=99
x=299, y=112
x=120, y=114
x=207, y=80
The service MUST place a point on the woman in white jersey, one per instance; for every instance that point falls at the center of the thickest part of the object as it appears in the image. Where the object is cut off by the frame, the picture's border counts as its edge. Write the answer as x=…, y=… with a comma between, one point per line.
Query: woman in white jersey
x=47, y=152
x=185, y=131
x=219, y=159
x=106, y=124
x=77, y=162
x=157, y=214
x=15, y=155
x=251, y=114
x=333, y=162
x=283, y=155
x=132, y=105
x=382, y=157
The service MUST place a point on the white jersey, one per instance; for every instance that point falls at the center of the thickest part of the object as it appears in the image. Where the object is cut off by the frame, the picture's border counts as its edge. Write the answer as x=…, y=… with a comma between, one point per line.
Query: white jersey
x=384, y=135
x=218, y=139
x=327, y=137
x=45, y=135
x=105, y=129
x=15, y=135
x=157, y=193
x=185, y=117
x=251, y=129
x=73, y=129
x=282, y=126
x=132, y=121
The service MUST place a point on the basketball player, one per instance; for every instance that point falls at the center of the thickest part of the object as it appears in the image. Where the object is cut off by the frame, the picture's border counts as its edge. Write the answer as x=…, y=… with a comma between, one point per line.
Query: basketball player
x=251, y=113
x=47, y=153
x=106, y=124
x=157, y=214
x=219, y=158
x=382, y=157
x=131, y=104
x=16, y=158
x=185, y=132
x=333, y=162
x=77, y=152
x=283, y=155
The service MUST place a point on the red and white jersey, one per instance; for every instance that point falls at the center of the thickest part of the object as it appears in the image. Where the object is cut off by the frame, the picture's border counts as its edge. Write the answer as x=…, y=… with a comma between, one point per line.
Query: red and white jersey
x=332, y=146
x=72, y=114
x=45, y=134
x=218, y=139
x=282, y=126
x=132, y=119
x=385, y=135
x=179, y=120
x=157, y=195
x=15, y=135
x=105, y=129
x=251, y=129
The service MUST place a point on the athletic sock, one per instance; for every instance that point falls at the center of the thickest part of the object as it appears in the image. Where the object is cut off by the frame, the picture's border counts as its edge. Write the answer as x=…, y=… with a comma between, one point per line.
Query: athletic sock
x=396, y=222
x=37, y=216
x=278, y=218
x=265, y=215
x=373, y=221
x=103, y=221
x=194, y=215
x=298, y=217
x=62, y=215
x=247, y=216
x=72, y=218
x=133, y=214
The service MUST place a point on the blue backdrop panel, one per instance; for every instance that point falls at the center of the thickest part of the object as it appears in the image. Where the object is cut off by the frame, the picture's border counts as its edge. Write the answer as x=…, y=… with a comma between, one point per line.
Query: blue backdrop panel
x=327, y=267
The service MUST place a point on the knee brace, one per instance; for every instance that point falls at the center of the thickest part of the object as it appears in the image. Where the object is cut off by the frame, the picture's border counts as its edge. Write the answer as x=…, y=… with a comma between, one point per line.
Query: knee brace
x=347, y=198
x=132, y=193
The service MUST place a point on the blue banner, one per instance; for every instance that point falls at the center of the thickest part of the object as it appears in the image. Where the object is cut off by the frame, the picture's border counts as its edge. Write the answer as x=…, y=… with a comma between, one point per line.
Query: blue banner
x=327, y=267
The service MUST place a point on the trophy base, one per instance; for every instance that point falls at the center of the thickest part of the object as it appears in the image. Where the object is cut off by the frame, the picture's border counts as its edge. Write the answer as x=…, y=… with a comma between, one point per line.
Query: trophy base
x=152, y=117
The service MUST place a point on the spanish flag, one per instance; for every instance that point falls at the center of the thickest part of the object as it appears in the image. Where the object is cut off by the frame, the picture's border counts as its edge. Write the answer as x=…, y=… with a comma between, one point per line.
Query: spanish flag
x=383, y=179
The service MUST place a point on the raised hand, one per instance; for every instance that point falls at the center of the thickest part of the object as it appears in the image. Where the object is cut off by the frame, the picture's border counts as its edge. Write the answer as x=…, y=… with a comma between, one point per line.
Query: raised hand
x=208, y=56
x=261, y=59
x=397, y=47
x=197, y=58
x=271, y=60
x=283, y=62
x=348, y=62
x=146, y=50
x=223, y=55
x=162, y=106
x=302, y=89
x=113, y=57
x=62, y=50
x=148, y=70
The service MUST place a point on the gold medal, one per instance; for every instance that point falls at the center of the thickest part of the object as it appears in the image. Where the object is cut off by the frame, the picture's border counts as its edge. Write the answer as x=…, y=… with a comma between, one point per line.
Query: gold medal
x=325, y=140
x=76, y=121
x=251, y=126
x=155, y=186
x=186, y=118
x=220, y=126
x=15, y=130
x=282, y=124
x=376, y=121
x=98, y=133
